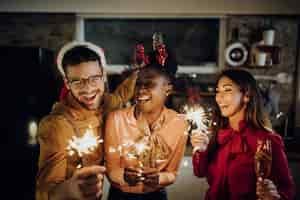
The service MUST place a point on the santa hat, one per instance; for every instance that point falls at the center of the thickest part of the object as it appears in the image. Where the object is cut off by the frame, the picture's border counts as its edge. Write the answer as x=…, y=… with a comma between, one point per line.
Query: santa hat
x=99, y=51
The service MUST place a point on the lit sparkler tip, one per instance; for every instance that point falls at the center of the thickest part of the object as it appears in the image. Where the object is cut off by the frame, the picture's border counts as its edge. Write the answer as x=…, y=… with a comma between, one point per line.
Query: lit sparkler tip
x=112, y=150
x=71, y=152
x=79, y=166
x=131, y=156
x=141, y=147
x=120, y=148
x=199, y=117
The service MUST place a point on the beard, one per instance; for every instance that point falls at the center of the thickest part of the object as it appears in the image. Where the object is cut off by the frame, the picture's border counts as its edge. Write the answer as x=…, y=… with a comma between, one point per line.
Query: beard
x=89, y=100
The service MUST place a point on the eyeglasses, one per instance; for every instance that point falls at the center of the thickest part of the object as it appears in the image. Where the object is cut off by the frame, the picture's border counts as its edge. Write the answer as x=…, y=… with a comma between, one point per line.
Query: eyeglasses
x=80, y=83
x=145, y=85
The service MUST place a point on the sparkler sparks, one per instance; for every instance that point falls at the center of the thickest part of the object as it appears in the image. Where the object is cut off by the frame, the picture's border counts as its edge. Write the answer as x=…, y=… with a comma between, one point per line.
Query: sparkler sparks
x=132, y=151
x=83, y=145
x=140, y=148
x=137, y=151
x=199, y=117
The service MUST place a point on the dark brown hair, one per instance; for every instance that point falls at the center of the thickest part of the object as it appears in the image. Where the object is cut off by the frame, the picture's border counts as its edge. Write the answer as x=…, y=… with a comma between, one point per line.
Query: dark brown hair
x=255, y=115
x=79, y=54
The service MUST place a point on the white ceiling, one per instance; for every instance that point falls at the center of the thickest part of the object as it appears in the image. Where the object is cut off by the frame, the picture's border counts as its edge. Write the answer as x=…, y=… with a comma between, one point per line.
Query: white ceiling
x=154, y=7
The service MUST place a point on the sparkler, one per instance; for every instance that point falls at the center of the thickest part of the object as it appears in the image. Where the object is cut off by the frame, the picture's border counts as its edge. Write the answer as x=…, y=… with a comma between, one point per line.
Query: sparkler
x=133, y=152
x=200, y=119
x=83, y=145
x=139, y=151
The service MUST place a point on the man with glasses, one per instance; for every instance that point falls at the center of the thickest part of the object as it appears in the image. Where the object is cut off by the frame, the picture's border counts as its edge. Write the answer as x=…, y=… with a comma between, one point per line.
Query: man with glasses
x=63, y=174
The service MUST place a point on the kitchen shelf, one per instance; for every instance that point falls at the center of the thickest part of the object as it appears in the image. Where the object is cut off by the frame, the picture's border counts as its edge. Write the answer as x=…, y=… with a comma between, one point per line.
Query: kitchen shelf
x=258, y=67
x=274, y=51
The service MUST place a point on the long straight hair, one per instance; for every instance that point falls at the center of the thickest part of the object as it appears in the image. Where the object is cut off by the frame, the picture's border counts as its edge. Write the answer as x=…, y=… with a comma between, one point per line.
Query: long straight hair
x=255, y=115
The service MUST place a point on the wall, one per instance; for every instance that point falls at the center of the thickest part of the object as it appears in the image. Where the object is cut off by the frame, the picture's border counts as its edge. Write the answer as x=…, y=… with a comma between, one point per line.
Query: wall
x=50, y=31
x=286, y=37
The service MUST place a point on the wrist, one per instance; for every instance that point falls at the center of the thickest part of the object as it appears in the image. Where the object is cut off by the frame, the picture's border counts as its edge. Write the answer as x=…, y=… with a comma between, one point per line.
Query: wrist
x=199, y=148
x=166, y=178
x=195, y=149
x=59, y=191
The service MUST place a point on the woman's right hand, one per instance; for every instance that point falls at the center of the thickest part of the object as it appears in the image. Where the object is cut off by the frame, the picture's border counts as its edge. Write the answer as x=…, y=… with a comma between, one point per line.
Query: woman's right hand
x=199, y=140
x=266, y=190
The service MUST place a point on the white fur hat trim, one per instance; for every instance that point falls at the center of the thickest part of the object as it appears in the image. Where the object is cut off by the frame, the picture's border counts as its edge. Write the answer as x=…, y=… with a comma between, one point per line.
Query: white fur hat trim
x=99, y=51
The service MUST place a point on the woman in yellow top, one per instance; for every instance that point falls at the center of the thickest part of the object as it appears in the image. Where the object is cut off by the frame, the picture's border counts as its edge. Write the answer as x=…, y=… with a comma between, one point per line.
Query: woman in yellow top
x=144, y=144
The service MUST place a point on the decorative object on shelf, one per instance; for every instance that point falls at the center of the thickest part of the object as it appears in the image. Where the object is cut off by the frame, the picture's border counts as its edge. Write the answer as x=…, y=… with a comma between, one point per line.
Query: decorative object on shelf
x=269, y=36
x=260, y=58
x=268, y=33
x=274, y=53
x=236, y=53
x=264, y=53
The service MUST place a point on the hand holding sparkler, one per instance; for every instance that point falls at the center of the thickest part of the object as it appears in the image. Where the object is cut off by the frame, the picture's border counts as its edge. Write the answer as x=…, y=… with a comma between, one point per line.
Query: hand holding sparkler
x=133, y=175
x=85, y=183
x=199, y=141
x=133, y=172
x=148, y=176
x=200, y=125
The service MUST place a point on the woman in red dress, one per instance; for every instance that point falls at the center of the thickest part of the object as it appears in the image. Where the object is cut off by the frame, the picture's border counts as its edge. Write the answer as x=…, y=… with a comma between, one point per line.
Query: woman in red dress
x=229, y=157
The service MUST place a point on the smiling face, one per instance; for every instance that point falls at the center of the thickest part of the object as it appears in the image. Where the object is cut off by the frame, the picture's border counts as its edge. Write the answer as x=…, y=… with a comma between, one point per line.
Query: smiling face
x=151, y=92
x=86, y=83
x=230, y=99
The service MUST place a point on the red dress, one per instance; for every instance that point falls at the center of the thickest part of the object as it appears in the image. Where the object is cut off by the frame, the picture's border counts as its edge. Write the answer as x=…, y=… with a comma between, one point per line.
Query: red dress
x=230, y=172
